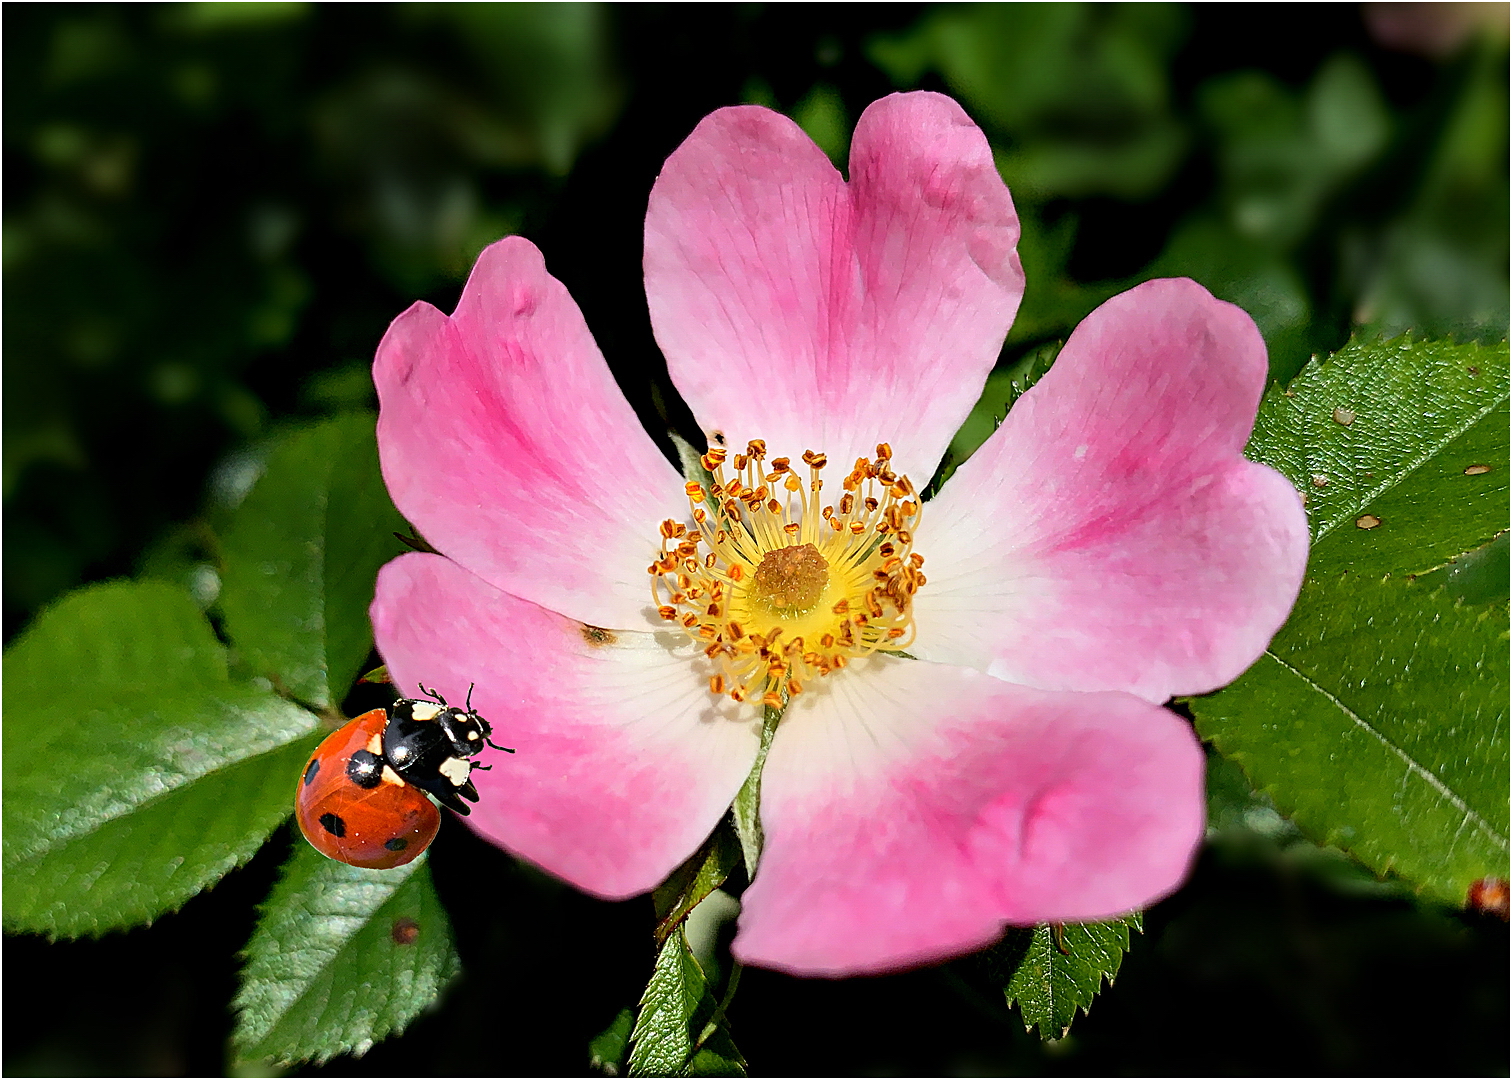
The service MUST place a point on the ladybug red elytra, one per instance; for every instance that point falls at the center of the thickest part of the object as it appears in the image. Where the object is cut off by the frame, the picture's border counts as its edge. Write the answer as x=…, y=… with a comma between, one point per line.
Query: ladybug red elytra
x=362, y=796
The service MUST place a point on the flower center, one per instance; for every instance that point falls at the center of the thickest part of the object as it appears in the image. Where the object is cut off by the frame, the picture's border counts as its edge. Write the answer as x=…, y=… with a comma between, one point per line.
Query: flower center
x=791, y=579
x=781, y=587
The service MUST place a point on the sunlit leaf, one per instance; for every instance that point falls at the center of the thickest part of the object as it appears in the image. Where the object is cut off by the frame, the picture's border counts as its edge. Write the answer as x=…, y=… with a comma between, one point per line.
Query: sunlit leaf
x=136, y=772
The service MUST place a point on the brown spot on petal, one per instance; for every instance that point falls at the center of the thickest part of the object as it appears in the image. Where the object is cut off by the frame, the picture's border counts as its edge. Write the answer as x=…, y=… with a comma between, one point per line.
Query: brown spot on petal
x=1319, y=480
x=1367, y=521
x=405, y=931
x=1344, y=416
x=1488, y=895
x=1477, y=470
x=597, y=636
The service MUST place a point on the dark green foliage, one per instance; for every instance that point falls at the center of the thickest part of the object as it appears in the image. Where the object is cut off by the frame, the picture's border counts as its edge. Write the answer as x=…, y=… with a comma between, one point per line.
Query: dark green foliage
x=136, y=771
x=609, y=1048
x=341, y=958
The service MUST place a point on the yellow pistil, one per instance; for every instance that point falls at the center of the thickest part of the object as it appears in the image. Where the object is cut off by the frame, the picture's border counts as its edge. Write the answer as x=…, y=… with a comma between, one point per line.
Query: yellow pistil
x=781, y=588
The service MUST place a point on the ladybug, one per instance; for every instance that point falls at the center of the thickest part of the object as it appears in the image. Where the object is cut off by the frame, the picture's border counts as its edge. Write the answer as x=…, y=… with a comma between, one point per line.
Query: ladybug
x=362, y=797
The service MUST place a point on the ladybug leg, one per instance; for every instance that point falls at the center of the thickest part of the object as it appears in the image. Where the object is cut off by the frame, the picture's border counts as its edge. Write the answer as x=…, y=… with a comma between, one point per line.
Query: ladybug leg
x=433, y=694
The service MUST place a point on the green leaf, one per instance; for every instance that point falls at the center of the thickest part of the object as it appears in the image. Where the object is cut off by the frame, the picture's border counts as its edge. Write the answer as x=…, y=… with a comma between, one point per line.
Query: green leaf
x=341, y=958
x=301, y=556
x=695, y=879
x=1377, y=720
x=136, y=772
x=1389, y=429
x=606, y=1053
x=679, y=1030
x=1050, y=976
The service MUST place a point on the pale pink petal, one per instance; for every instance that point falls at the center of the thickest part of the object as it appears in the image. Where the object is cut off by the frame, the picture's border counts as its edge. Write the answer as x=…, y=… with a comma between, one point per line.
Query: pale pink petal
x=1110, y=535
x=817, y=315
x=912, y=809
x=506, y=442
x=624, y=761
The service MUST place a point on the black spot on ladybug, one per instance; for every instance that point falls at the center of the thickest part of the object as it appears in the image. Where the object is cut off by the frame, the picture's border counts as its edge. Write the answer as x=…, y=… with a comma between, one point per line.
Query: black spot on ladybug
x=405, y=931
x=595, y=635
x=365, y=768
x=333, y=824
x=311, y=769
x=398, y=843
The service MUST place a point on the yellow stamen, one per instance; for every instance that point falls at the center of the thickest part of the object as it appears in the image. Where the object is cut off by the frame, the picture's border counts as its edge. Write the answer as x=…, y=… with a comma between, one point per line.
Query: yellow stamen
x=780, y=589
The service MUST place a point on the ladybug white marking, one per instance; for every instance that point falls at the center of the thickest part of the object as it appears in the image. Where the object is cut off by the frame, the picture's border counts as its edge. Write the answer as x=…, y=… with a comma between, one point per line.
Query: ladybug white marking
x=455, y=769
x=425, y=710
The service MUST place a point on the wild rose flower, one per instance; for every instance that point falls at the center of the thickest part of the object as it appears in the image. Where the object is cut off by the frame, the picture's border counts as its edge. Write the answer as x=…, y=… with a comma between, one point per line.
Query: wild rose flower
x=1107, y=547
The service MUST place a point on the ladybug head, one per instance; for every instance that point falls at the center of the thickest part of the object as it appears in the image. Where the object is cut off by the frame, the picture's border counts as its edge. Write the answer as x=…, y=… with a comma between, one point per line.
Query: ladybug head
x=467, y=731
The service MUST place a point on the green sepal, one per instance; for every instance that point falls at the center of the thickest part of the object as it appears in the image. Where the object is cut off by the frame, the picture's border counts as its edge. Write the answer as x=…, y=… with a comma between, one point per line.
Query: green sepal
x=708, y=869
x=745, y=811
x=341, y=958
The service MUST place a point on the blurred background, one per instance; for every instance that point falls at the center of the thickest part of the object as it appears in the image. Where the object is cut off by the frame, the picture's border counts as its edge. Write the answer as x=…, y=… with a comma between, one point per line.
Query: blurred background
x=212, y=211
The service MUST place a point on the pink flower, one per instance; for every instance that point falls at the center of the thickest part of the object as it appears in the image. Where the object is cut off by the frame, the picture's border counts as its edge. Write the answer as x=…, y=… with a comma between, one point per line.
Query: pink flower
x=1108, y=547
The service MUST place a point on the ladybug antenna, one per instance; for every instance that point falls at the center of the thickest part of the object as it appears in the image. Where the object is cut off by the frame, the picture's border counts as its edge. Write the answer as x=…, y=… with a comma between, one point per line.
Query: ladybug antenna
x=469, y=695
x=496, y=746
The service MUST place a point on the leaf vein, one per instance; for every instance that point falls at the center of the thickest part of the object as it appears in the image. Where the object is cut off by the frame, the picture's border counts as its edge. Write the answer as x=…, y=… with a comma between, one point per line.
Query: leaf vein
x=1413, y=767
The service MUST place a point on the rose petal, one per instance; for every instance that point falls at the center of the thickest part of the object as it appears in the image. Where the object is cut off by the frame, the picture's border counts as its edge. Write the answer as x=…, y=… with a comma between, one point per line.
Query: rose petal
x=505, y=440
x=912, y=809
x=1110, y=535
x=823, y=316
x=624, y=761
